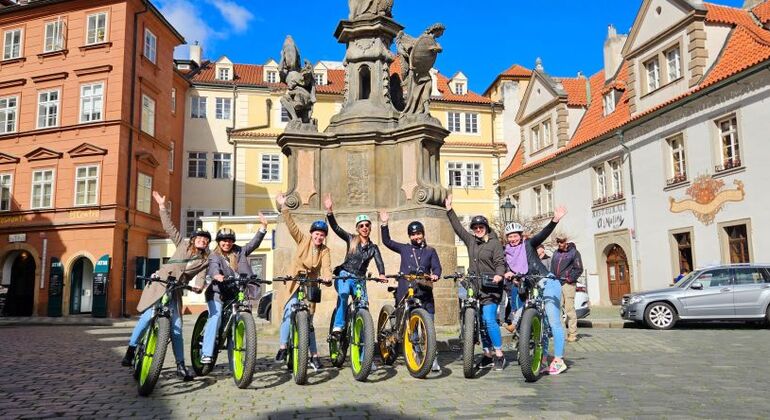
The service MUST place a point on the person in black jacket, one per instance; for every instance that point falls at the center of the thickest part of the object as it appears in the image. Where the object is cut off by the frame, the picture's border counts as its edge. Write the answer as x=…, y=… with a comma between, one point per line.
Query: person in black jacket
x=567, y=264
x=485, y=259
x=361, y=251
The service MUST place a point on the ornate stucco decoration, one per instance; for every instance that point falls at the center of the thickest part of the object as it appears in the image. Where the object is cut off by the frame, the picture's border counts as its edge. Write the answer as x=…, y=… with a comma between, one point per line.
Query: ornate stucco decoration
x=708, y=198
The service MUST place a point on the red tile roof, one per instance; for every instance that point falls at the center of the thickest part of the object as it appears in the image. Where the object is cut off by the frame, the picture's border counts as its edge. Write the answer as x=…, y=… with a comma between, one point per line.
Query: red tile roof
x=517, y=70
x=575, y=88
x=516, y=163
x=762, y=12
x=448, y=96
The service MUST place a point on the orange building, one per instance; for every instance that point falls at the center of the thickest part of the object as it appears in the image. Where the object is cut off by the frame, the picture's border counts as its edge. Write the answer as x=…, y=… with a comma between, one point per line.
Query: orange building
x=91, y=111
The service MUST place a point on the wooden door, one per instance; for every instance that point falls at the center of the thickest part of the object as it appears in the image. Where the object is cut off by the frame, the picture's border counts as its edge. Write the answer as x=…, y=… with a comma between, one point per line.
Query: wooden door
x=617, y=274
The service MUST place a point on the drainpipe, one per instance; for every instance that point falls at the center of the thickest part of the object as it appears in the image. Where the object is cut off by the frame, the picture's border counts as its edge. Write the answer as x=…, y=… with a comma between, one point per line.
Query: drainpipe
x=635, y=234
x=132, y=128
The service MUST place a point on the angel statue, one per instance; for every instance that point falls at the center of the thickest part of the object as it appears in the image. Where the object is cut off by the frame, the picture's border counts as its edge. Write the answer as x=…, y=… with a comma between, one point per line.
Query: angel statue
x=359, y=8
x=418, y=55
x=300, y=87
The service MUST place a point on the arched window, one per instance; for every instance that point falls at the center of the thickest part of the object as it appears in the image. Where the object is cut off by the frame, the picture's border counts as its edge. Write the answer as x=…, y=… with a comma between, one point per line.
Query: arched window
x=364, y=82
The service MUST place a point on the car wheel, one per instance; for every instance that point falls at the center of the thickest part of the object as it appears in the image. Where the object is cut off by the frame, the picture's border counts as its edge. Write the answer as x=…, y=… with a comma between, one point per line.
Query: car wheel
x=767, y=316
x=268, y=312
x=660, y=316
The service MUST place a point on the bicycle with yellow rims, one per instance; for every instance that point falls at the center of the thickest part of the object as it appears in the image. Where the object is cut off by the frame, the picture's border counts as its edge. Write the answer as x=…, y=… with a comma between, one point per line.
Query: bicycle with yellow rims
x=408, y=327
x=237, y=332
x=357, y=333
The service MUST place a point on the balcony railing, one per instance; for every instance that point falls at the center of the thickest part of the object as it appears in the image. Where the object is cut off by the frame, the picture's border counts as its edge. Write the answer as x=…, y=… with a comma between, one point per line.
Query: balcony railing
x=608, y=199
x=546, y=215
x=677, y=179
x=727, y=165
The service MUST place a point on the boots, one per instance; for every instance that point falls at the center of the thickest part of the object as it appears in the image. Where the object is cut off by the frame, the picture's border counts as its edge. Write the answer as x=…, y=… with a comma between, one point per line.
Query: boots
x=182, y=372
x=128, y=359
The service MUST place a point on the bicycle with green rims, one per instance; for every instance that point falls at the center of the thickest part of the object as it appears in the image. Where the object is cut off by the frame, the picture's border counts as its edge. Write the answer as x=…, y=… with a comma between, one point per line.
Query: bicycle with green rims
x=534, y=328
x=357, y=333
x=237, y=332
x=407, y=326
x=151, y=347
x=300, y=325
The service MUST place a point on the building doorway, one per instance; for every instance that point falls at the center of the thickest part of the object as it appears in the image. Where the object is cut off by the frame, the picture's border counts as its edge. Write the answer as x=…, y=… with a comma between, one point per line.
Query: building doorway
x=20, y=300
x=81, y=286
x=618, y=277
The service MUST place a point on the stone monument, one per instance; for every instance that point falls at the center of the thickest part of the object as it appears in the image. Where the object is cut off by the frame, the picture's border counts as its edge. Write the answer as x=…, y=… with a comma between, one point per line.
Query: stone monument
x=372, y=156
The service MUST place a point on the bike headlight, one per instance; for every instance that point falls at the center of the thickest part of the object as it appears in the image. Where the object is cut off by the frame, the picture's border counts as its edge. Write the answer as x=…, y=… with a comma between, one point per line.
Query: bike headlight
x=634, y=299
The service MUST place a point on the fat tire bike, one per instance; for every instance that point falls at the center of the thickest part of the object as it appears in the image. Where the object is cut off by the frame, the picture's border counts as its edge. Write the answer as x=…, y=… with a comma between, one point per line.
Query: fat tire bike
x=357, y=333
x=151, y=348
x=237, y=332
x=300, y=328
x=408, y=327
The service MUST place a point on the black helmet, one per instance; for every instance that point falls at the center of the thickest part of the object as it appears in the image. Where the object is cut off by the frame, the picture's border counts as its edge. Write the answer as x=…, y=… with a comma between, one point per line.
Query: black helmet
x=202, y=233
x=225, y=234
x=319, y=225
x=415, y=227
x=480, y=220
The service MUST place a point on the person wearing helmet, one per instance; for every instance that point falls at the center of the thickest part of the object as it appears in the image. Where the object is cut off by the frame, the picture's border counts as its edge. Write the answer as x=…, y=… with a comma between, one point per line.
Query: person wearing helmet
x=227, y=260
x=360, y=253
x=521, y=258
x=189, y=263
x=416, y=257
x=486, y=259
x=312, y=257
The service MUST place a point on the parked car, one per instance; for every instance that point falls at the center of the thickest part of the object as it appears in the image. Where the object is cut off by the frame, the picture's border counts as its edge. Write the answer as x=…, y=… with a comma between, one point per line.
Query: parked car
x=727, y=292
x=265, y=305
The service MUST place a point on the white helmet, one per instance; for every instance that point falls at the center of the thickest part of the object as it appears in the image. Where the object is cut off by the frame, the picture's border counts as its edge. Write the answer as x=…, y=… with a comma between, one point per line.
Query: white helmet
x=513, y=228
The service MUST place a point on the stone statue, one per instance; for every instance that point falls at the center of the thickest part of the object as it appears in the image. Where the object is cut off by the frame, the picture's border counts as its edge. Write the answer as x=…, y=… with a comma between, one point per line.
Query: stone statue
x=290, y=60
x=418, y=55
x=369, y=8
x=300, y=88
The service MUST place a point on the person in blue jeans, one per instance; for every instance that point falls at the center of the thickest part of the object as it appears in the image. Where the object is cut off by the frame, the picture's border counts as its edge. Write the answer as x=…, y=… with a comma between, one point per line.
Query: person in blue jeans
x=521, y=258
x=227, y=260
x=360, y=252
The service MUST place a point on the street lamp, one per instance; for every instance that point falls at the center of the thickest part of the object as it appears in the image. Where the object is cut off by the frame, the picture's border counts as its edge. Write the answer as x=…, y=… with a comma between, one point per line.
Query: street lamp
x=506, y=210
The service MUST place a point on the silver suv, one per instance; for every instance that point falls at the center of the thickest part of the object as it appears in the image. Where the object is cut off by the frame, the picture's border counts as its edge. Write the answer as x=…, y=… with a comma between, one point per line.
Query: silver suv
x=726, y=292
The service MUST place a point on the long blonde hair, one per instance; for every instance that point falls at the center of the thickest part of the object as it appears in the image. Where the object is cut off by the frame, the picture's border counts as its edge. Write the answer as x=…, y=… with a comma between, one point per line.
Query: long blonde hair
x=231, y=257
x=192, y=250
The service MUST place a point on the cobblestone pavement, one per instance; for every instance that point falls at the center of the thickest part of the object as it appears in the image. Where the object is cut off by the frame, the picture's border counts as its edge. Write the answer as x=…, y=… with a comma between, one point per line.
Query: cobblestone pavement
x=712, y=371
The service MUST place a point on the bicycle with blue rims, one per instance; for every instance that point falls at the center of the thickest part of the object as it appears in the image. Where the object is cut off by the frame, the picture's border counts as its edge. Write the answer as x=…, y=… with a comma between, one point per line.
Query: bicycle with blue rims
x=357, y=332
x=237, y=332
x=151, y=347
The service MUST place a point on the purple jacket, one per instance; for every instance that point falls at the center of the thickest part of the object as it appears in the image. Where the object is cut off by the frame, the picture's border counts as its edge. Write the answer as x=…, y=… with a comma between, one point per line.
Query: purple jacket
x=567, y=264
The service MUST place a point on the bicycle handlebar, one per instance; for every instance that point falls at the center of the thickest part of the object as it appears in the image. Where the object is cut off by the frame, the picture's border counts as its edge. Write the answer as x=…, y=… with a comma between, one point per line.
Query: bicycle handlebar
x=411, y=276
x=254, y=279
x=172, y=281
x=300, y=279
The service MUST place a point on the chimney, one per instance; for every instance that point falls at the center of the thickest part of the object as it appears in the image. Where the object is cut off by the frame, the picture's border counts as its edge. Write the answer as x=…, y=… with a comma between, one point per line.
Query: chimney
x=196, y=53
x=750, y=4
x=613, y=52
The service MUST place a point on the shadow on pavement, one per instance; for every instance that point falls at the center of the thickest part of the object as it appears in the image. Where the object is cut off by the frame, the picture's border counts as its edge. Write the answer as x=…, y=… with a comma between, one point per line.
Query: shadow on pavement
x=338, y=411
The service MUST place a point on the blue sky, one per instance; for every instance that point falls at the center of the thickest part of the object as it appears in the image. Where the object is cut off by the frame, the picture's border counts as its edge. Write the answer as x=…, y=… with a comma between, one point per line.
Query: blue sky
x=481, y=40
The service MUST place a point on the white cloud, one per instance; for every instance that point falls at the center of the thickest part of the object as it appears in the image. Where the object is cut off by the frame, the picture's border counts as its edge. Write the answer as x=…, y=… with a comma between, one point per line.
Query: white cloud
x=237, y=16
x=187, y=18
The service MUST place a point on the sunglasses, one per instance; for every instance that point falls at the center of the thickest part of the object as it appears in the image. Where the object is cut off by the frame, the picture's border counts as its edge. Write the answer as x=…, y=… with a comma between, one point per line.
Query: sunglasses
x=364, y=225
x=478, y=227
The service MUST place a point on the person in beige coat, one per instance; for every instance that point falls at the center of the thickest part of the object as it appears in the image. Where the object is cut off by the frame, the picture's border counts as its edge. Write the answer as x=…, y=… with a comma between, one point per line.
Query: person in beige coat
x=188, y=263
x=312, y=257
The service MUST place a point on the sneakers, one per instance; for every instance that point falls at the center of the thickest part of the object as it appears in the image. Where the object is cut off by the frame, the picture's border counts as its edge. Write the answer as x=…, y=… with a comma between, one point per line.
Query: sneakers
x=499, y=363
x=485, y=363
x=182, y=372
x=315, y=363
x=128, y=359
x=572, y=338
x=557, y=368
x=206, y=360
x=436, y=367
x=281, y=355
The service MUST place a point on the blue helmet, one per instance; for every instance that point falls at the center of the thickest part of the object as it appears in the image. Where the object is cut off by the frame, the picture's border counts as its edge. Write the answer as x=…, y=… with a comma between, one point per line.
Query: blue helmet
x=319, y=225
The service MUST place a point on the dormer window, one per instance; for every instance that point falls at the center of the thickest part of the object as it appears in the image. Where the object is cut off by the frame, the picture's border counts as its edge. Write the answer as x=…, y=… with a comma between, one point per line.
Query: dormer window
x=223, y=73
x=320, y=80
x=653, y=74
x=272, y=76
x=460, y=89
x=674, y=64
x=611, y=99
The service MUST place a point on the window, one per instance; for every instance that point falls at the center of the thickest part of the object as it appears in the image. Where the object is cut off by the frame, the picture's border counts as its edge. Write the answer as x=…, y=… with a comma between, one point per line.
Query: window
x=473, y=175
x=471, y=123
x=285, y=117
x=143, y=192
x=653, y=74
x=534, y=135
x=319, y=79
x=197, y=107
x=54, y=36
x=601, y=182
x=538, y=200
x=543, y=200
x=91, y=102
x=751, y=275
x=6, y=183
x=548, y=196
x=738, y=244
x=609, y=102
x=459, y=88
x=223, y=73
x=150, y=46
x=730, y=150
x=616, y=169
x=684, y=251
x=148, y=115
x=678, y=164
x=674, y=64
x=96, y=31
x=196, y=165
x=220, y=213
x=453, y=122
x=173, y=100
x=271, y=168
x=715, y=278
x=42, y=189
x=48, y=109
x=222, y=109
x=222, y=165
x=272, y=76
x=466, y=175
x=8, y=113
x=455, y=174
x=86, y=185
x=12, y=44
x=193, y=222
x=547, y=140
x=171, y=156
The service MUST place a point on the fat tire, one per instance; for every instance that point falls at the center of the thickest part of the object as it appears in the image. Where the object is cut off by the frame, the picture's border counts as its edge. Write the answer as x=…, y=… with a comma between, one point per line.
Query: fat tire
x=430, y=345
x=648, y=320
x=385, y=328
x=367, y=333
x=469, y=342
x=303, y=330
x=196, y=347
x=342, y=349
x=156, y=364
x=528, y=318
x=249, y=349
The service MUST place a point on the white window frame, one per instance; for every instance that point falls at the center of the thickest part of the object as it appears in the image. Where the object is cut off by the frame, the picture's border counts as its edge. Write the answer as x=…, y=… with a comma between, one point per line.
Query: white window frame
x=673, y=57
x=90, y=99
x=732, y=132
x=535, y=138
x=471, y=120
x=56, y=38
x=48, y=104
x=6, y=184
x=197, y=159
x=274, y=159
x=609, y=102
x=600, y=175
x=652, y=69
x=467, y=171
x=148, y=114
x=223, y=73
x=196, y=215
x=220, y=213
x=320, y=80
x=271, y=76
x=150, y=46
x=472, y=170
x=616, y=176
x=52, y=182
x=538, y=191
x=144, y=192
x=14, y=50
x=459, y=88
x=677, y=156
x=223, y=108
x=85, y=182
x=454, y=121
x=547, y=136
x=10, y=114
x=198, y=104
x=548, y=197
x=225, y=169
x=455, y=169
x=95, y=30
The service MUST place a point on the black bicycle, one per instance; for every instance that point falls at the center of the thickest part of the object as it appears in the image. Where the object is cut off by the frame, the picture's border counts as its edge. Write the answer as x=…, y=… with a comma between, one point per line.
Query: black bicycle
x=407, y=326
x=357, y=333
x=237, y=332
x=151, y=348
x=534, y=327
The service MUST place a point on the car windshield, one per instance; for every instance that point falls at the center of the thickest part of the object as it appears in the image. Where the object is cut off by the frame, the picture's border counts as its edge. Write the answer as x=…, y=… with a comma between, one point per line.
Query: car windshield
x=687, y=279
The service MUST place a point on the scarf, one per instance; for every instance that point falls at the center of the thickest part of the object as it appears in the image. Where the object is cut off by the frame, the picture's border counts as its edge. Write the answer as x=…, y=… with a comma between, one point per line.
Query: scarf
x=516, y=258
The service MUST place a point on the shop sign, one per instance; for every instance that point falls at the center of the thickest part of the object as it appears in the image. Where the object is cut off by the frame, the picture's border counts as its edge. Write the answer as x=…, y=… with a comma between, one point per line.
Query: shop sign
x=17, y=237
x=610, y=218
